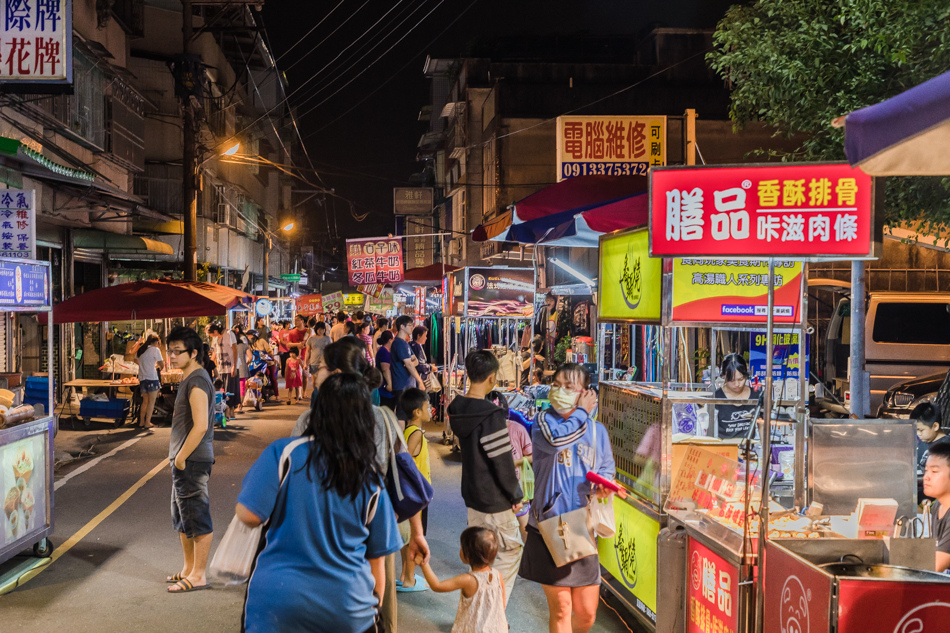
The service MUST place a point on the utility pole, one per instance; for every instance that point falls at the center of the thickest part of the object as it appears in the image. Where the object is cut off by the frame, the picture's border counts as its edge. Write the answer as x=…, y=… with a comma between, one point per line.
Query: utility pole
x=265, y=290
x=188, y=160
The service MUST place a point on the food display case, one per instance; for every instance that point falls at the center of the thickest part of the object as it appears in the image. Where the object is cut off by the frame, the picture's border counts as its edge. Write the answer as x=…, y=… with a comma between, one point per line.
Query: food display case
x=26, y=432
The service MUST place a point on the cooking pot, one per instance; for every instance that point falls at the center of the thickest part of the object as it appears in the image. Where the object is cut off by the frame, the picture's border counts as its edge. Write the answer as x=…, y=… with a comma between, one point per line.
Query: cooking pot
x=888, y=572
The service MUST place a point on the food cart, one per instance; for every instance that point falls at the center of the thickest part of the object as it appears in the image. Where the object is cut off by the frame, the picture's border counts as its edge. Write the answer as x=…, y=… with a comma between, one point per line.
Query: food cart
x=695, y=508
x=26, y=432
x=486, y=308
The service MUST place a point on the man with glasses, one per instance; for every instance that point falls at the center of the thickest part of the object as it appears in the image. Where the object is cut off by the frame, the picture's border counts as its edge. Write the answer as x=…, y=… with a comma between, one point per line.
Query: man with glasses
x=191, y=454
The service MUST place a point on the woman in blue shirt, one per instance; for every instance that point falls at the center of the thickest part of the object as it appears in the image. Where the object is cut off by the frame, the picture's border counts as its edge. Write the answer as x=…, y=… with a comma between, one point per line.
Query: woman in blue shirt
x=331, y=523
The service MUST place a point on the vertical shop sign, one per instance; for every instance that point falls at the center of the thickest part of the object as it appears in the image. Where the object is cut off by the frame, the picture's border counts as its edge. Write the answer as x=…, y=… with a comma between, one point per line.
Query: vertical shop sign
x=630, y=280
x=419, y=250
x=36, y=40
x=712, y=592
x=609, y=145
x=374, y=261
x=18, y=223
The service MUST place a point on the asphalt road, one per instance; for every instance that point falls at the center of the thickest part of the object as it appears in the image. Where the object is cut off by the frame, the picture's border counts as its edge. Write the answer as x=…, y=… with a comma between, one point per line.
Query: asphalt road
x=114, y=518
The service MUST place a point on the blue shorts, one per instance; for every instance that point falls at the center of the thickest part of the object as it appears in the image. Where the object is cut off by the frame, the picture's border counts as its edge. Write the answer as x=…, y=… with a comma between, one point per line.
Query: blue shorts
x=150, y=386
x=191, y=507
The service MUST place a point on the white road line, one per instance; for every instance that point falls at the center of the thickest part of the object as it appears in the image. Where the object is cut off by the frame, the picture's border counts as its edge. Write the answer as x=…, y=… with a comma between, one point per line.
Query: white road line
x=95, y=461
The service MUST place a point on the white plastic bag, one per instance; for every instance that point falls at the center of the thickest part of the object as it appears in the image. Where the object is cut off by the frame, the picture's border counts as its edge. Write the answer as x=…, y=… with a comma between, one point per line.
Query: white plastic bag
x=602, y=517
x=231, y=564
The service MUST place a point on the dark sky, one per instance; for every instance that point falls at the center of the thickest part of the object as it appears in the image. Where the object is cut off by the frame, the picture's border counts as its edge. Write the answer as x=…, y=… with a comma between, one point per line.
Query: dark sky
x=365, y=149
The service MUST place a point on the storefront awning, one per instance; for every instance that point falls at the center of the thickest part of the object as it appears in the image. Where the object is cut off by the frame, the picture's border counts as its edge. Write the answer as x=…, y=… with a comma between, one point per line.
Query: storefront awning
x=14, y=148
x=117, y=243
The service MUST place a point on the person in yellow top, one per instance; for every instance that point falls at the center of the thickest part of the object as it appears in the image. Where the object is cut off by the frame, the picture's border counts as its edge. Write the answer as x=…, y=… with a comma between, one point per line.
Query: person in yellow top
x=414, y=411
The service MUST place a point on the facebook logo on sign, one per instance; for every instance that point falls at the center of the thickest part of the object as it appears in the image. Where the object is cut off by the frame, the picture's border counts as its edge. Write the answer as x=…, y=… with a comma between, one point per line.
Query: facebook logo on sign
x=738, y=310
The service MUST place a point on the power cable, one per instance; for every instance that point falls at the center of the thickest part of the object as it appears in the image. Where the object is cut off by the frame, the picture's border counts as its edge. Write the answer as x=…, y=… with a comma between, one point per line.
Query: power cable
x=312, y=29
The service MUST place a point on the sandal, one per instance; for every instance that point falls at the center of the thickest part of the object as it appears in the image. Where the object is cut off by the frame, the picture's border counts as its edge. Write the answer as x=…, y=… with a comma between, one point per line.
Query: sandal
x=175, y=578
x=184, y=586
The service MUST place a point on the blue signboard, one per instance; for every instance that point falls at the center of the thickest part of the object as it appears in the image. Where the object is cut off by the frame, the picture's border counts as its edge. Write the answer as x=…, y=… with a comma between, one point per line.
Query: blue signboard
x=24, y=285
x=786, y=350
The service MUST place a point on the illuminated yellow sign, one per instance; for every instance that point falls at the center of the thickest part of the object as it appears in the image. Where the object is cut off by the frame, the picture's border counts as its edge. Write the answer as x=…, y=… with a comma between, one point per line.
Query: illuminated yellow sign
x=630, y=280
x=630, y=556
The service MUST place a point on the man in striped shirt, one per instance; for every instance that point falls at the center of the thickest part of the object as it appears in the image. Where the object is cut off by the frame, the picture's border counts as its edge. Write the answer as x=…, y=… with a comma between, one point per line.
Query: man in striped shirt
x=490, y=486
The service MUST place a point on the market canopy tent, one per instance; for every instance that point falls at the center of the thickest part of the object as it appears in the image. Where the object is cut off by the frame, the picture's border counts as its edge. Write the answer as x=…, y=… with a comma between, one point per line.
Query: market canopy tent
x=572, y=194
x=428, y=274
x=581, y=227
x=907, y=135
x=150, y=300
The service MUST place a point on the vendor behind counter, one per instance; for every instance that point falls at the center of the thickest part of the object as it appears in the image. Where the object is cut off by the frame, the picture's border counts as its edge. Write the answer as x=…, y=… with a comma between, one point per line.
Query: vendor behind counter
x=734, y=420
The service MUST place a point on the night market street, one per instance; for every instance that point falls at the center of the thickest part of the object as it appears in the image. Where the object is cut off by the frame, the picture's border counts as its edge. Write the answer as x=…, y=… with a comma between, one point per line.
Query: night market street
x=115, y=544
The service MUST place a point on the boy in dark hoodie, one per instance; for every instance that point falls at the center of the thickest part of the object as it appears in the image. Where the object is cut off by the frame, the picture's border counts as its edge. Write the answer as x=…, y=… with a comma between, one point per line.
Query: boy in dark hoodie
x=490, y=486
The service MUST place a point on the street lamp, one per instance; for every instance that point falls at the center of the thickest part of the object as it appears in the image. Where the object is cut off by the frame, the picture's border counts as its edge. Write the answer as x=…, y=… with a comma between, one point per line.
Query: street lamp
x=289, y=226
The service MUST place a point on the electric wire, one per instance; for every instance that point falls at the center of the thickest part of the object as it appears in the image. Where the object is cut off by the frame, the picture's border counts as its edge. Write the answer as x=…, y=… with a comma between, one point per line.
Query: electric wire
x=307, y=34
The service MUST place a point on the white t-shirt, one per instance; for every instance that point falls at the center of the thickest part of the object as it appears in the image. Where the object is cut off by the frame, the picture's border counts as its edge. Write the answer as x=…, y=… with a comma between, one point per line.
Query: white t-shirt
x=147, y=362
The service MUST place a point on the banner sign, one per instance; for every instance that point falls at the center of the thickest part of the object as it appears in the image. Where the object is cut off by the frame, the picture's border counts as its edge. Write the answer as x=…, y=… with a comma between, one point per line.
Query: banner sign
x=23, y=284
x=413, y=200
x=630, y=280
x=500, y=292
x=372, y=290
x=712, y=592
x=333, y=302
x=382, y=303
x=609, y=145
x=37, y=41
x=785, y=350
x=310, y=305
x=630, y=556
x=735, y=291
x=353, y=299
x=374, y=261
x=800, y=210
x=18, y=223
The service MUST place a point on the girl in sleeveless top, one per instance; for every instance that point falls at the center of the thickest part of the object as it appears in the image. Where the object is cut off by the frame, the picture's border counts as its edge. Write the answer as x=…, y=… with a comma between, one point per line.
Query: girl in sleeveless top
x=482, y=603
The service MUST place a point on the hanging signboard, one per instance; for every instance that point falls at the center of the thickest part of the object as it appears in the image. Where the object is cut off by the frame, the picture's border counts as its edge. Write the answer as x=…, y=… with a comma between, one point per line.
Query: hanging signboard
x=333, y=302
x=374, y=261
x=630, y=280
x=24, y=284
x=734, y=291
x=37, y=42
x=353, y=299
x=413, y=200
x=372, y=290
x=792, y=209
x=18, y=223
x=310, y=305
x=382, y=303
x=500, y=292
x=609, y=145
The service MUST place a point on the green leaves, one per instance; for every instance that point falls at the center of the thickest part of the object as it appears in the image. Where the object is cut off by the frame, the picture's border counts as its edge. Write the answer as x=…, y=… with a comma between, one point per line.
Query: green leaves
x=798, y=64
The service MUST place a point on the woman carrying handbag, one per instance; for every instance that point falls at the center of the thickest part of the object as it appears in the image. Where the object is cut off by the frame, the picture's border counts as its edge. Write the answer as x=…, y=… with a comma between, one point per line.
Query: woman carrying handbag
x=560, y=551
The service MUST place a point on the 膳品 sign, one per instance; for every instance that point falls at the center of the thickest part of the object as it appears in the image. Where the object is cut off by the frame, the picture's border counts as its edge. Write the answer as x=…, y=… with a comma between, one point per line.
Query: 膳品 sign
x=609, y=145
x=711, y=591
x=788, y=210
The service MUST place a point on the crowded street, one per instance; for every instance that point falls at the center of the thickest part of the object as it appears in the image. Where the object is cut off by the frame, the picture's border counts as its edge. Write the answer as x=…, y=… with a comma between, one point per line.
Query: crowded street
x=112, y=515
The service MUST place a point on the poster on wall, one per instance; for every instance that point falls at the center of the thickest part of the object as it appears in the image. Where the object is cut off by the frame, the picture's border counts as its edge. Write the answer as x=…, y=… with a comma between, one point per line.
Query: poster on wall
x=501, y=292
x=23, y=468
x=609, y=145
x=735, y=291
x=18, y=223
x=375, y=261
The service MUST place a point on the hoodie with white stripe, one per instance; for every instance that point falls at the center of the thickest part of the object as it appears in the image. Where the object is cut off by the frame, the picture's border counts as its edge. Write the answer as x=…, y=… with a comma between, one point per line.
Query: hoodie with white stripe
x=489, y=482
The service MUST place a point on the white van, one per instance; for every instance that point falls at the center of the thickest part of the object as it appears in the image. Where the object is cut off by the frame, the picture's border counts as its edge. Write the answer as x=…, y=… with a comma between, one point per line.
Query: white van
x=907, y=336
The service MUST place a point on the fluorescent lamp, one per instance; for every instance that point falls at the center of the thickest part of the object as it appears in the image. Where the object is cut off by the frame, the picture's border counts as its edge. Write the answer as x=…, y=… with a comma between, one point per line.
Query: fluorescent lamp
x=231, y=151
x=573, y=271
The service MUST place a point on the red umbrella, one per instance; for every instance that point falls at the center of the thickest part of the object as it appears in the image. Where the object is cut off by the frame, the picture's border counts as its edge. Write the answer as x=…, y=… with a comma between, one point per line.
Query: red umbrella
x=150, y=300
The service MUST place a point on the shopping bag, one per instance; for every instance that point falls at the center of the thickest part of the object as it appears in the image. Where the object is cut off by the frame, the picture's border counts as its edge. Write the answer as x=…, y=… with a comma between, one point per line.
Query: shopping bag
x=602, y=517
x=432, y=383
x=569, y=536
x=527, y=479
x=232, y=560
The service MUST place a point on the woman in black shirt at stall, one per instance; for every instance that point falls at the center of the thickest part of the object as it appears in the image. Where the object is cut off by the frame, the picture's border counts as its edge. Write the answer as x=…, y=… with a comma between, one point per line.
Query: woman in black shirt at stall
x=734, y=420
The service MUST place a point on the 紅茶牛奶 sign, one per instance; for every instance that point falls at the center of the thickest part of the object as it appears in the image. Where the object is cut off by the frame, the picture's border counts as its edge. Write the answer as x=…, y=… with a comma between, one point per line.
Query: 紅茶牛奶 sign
x=374, y=261
x=630, y=280
x=785, y=210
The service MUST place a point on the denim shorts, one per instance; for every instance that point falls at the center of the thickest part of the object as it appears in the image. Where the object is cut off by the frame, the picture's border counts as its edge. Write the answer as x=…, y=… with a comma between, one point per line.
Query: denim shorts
x=191, y=507
x=150, y=386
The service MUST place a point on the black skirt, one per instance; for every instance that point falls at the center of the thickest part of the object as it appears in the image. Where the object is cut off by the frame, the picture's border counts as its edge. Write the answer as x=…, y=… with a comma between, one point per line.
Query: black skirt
x=537, y=565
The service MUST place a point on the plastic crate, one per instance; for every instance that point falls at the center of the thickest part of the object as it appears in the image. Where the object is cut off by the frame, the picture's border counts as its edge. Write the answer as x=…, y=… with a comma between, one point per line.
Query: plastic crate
x=114, y=408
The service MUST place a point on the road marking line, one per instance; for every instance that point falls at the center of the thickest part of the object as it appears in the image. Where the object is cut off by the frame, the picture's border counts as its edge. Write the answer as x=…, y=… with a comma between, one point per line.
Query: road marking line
x=59, y=483
x=99, y=518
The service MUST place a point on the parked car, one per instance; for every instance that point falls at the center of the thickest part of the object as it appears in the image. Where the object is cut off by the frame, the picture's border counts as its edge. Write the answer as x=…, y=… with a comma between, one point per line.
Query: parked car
x=907, y=336
x=903, y=397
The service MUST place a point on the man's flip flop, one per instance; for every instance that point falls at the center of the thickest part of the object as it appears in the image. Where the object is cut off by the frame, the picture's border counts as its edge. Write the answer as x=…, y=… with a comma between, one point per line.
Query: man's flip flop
x=185, y=586
x=419, y=586
x=174, y=578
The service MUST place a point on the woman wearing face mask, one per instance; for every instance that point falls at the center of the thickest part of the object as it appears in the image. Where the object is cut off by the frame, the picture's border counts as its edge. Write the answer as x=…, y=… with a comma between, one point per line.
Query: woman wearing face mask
x=565, y=449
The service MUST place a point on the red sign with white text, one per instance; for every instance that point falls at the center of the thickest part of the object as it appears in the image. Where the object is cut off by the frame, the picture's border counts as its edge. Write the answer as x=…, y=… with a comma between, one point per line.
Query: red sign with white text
x=375, y=261
x=797, y=595
x=712, y=592
x=892, y=607
x=310, y=305
x=798, y=210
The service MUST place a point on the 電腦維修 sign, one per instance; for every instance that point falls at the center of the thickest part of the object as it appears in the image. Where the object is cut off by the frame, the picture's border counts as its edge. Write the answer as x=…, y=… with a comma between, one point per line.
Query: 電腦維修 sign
x=788, y=210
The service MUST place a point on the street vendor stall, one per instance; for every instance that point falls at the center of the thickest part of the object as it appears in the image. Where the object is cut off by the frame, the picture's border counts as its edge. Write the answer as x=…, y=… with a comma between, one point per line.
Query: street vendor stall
x=717, y=500
x=26, y=431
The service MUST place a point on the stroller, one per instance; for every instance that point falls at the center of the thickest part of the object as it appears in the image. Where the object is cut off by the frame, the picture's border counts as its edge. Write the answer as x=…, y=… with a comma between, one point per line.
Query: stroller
x=258, y=384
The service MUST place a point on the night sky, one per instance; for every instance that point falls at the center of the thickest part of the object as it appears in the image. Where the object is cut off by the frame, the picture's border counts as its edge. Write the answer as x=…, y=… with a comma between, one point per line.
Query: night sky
x=365, y=149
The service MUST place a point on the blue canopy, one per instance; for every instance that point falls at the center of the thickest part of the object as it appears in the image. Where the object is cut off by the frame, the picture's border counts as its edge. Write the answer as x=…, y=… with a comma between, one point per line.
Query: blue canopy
x=907, y=135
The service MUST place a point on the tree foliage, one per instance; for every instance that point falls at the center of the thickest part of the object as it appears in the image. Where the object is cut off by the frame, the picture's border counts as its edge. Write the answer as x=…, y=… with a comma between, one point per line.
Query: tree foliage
x=799, y=64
